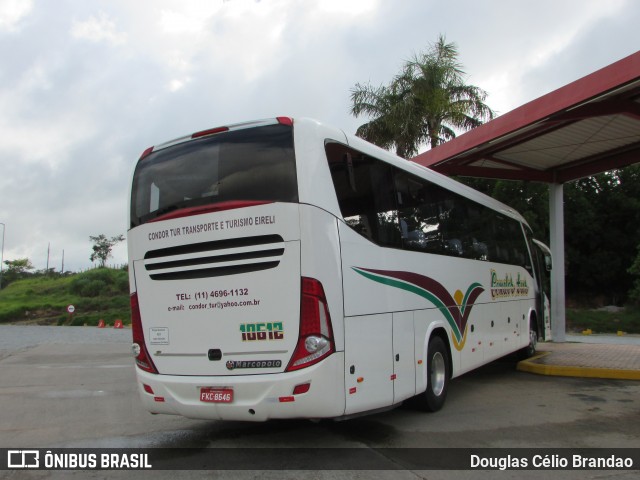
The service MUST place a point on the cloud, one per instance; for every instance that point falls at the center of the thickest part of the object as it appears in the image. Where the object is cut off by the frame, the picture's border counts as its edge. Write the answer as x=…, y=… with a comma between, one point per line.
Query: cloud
x=525, y=41
x=98, y=29
x=85, y=87
x=190, y=20
x=12, y=12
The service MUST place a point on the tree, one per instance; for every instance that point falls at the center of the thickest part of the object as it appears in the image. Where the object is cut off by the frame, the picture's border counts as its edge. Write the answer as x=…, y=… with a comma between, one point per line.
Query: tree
x=634, y=293
x=602, y=221
x=16, y=269
x=424, y=104
x=102, y=247
x=530, y=199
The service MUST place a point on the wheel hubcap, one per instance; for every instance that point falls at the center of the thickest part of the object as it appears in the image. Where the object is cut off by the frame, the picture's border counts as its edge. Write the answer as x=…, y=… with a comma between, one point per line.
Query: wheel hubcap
x=438, y=373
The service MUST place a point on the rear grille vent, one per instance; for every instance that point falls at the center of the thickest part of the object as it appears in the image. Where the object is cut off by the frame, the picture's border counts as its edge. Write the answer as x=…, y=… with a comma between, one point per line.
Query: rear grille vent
x=216, y=258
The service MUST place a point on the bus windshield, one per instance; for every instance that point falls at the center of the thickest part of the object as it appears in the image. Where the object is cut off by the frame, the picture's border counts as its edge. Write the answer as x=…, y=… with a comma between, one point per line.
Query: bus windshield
x=251, y=164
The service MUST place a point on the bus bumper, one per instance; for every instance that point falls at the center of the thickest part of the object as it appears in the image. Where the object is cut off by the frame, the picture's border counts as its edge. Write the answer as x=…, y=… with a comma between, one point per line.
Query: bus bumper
x=255, y=397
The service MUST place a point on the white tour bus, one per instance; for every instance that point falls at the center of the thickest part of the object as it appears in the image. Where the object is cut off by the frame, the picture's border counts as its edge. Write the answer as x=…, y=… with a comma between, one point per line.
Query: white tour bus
x=284, y=269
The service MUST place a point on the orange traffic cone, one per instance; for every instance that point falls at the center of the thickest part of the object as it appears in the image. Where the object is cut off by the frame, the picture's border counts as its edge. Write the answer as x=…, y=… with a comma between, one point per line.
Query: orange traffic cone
x=101, y=323
x=118, y=324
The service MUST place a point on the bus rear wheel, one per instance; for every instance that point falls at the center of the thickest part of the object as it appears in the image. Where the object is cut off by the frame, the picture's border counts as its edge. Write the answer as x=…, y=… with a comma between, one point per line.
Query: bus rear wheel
x=437, y=375
x=530, y=350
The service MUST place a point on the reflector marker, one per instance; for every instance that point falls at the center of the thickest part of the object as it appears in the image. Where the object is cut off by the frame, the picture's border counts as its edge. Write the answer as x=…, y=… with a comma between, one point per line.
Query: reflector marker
x=146, y=153
x=300, y=389
x=285, y=121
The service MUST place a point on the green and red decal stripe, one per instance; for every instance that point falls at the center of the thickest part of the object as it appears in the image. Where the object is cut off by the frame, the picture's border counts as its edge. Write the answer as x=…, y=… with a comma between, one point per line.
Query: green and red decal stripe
x=456, y=315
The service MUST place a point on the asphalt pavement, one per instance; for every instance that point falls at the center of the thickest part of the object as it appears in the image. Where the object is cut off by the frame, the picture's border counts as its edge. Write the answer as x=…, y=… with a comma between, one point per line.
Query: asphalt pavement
x=75, y=387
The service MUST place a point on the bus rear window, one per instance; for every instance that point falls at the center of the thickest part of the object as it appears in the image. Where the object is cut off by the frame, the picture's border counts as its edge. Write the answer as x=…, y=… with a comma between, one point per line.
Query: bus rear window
x=253, y=164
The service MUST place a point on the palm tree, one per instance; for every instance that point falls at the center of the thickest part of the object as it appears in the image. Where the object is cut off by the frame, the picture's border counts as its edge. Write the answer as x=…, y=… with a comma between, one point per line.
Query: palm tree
x=423, y=104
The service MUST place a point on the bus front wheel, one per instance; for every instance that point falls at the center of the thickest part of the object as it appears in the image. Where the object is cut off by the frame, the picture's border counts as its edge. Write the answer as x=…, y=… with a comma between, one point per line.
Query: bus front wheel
x=437, y=375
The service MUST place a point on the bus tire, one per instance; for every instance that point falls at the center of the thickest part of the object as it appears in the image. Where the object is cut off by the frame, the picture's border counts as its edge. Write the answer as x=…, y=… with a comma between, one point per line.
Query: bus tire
x=437, y=375
x=530, y=350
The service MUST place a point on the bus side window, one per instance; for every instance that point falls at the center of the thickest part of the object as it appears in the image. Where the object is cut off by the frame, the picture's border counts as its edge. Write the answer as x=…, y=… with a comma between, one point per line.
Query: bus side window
x=418, y=214
x=478, y=236
x=396, y=209
x=365, y=194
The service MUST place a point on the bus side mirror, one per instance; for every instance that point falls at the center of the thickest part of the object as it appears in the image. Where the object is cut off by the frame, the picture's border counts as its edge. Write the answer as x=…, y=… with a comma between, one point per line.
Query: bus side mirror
x=548, y=262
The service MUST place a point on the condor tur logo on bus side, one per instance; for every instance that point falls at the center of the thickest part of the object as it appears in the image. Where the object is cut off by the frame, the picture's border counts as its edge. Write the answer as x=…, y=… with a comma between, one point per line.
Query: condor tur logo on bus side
x=505, y=287
x=456, y=308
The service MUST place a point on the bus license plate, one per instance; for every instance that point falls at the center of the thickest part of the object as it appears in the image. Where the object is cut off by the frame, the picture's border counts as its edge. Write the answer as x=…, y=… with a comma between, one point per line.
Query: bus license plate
x=216, y=395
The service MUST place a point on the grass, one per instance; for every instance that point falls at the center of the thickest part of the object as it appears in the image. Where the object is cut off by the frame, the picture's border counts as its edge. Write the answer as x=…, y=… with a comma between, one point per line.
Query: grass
x=96, y=294
x=599, y=321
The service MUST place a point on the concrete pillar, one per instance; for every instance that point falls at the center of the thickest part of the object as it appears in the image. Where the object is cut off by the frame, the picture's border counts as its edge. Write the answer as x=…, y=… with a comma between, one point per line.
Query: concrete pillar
x=556, y=224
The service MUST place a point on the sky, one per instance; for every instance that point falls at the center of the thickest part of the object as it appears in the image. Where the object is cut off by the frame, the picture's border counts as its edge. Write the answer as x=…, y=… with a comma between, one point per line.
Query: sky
x=87, y=85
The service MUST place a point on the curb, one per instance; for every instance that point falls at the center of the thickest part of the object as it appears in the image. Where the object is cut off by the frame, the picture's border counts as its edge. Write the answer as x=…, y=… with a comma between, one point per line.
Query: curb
x=530, y=366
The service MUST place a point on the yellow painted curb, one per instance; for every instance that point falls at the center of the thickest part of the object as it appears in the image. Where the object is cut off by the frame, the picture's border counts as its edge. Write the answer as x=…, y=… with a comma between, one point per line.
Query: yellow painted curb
x=530, y=366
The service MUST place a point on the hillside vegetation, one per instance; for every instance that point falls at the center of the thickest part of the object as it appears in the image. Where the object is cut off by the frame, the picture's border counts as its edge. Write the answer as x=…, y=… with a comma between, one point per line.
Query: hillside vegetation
x=101, y=293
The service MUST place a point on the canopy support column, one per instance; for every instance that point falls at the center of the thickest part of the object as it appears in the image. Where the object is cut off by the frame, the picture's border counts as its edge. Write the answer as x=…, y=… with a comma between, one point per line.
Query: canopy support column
x=556, y=225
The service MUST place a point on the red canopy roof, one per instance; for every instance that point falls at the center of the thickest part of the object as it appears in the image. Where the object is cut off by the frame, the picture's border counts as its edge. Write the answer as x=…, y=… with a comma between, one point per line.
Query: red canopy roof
x=586, y=127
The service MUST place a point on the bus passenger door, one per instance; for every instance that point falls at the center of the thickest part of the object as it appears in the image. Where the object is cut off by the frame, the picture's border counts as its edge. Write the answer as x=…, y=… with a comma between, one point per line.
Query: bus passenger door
x=368, y=362
x=404, y=372
x=542, y=265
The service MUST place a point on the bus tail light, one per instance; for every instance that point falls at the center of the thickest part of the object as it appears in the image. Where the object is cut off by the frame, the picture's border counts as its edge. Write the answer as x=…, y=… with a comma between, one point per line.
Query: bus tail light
x=211, y=131
x=315, y=340
x=143, y=360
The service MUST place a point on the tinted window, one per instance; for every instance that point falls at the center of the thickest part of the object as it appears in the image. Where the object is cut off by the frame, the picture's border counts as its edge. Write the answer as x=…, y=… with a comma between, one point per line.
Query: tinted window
x=250, y=164
x=396, y=209
x=366, y=195
x=436, y=220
